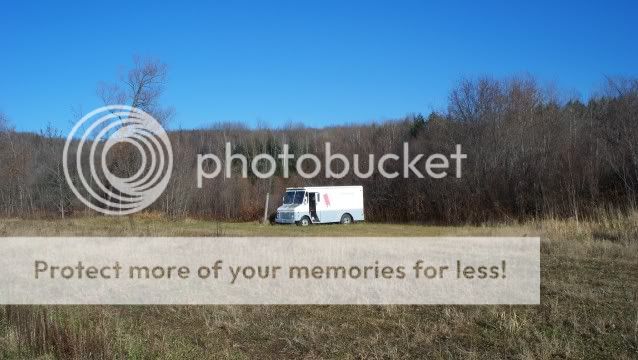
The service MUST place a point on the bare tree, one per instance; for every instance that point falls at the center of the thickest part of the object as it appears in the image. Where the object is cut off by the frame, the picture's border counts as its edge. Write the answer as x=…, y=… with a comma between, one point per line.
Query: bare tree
x=141, y=87
x=55, y=193
x=5, y=125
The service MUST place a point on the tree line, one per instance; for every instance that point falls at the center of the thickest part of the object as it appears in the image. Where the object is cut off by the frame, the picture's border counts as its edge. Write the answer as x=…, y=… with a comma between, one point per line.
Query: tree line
x=530, y=155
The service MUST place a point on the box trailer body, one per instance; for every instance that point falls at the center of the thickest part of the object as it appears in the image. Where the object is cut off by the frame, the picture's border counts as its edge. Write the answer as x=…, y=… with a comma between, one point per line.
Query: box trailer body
x=321, y=205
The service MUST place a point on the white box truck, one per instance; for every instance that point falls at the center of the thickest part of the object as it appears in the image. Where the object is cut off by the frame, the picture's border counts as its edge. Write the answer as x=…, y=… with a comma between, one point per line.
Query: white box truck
x=320, y=205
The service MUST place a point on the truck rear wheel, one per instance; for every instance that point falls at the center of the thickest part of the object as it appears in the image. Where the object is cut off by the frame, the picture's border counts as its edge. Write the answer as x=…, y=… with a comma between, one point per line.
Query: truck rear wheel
x=346, y=219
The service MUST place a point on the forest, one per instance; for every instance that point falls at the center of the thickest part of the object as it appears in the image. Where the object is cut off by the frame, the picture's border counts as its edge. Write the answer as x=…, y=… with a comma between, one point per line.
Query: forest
x=531, y=154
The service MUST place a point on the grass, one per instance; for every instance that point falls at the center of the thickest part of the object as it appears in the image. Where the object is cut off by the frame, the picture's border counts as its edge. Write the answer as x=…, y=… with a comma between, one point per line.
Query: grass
x=157, y=226
x=589, y=305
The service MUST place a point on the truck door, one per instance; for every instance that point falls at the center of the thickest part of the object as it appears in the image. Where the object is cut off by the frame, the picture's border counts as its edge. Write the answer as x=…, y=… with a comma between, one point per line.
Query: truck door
x=312, y=205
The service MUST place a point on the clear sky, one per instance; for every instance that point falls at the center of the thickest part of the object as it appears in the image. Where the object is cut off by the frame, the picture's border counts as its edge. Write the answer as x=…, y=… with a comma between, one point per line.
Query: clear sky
x=315, y=62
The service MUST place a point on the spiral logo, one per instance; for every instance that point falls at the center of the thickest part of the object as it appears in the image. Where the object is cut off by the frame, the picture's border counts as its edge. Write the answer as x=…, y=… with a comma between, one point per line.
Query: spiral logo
x=129, y=157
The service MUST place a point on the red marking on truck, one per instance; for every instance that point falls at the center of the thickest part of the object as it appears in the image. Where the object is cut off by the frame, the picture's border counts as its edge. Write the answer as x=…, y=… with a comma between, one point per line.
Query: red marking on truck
x=326, y=199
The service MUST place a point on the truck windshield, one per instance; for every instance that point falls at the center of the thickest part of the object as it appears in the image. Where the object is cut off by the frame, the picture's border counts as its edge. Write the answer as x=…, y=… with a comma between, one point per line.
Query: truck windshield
x=294, y=197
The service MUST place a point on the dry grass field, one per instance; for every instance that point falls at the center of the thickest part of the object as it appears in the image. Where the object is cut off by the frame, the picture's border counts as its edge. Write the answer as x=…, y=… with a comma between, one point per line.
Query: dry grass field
x=589, y=305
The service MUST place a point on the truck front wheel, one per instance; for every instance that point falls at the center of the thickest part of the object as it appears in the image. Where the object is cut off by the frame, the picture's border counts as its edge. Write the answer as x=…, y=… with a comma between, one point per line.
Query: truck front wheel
x=305, y=221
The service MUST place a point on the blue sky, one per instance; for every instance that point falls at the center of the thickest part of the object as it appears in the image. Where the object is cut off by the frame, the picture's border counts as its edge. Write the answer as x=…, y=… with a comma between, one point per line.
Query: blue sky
x=315, y=62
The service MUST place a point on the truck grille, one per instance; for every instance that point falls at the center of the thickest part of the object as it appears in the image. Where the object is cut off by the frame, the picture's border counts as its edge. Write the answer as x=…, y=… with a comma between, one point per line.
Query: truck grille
x=286, y=215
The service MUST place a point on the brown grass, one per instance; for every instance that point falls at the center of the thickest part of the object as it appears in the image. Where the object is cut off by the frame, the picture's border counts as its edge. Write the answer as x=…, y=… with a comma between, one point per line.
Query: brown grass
x=589, y=305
